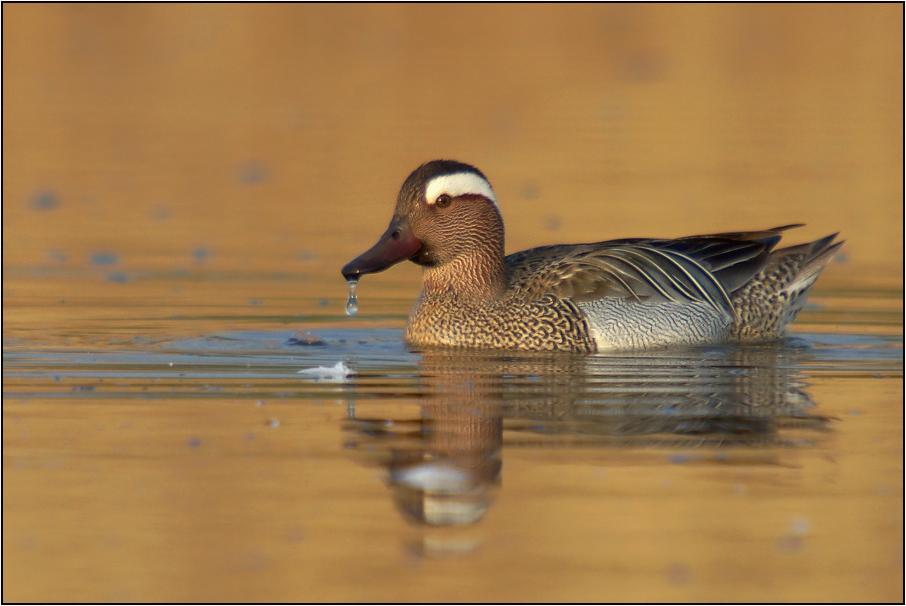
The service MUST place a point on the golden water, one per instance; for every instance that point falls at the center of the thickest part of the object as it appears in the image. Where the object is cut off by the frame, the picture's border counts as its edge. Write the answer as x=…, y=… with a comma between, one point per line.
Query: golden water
x=183, y=183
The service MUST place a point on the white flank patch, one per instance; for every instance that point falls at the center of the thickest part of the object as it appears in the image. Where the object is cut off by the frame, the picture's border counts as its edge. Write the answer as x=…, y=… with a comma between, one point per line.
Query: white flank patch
x=459, y=184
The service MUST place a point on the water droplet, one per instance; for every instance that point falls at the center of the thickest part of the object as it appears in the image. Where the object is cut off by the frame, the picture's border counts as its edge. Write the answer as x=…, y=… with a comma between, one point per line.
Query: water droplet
x=352, y=305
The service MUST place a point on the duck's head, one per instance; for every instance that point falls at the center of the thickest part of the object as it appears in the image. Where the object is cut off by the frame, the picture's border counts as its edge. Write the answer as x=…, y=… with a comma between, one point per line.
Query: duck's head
x=446, y=211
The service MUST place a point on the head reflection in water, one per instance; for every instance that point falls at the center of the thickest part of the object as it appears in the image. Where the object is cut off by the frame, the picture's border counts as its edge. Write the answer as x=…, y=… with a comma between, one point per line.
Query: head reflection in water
x=452, y=477
x=444, y=468
x=440, y=494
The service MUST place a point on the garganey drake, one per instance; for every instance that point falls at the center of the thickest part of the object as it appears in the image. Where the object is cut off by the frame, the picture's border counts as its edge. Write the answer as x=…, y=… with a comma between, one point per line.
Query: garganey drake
x=634, y=293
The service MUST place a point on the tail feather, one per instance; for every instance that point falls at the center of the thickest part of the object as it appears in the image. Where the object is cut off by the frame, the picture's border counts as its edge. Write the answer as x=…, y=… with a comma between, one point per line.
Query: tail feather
x=790, y=226
x=769, y=303
x=815, y=256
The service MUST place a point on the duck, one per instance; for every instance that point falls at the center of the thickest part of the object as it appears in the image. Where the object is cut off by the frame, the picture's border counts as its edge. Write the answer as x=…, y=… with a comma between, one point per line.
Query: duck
x=626, y=294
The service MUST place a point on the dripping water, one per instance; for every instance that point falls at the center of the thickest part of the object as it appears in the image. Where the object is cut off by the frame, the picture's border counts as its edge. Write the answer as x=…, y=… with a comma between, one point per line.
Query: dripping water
x=352, y=304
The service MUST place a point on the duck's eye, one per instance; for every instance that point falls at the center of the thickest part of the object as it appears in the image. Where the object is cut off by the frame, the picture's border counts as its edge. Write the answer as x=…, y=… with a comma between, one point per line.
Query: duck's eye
x=443, y=201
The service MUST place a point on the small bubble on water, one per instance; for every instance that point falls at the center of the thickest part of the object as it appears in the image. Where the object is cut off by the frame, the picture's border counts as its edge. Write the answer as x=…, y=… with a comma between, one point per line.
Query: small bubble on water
x=352, y=305
x=105, y=258
x=45, y=200
x=800, y=526
x=201, y=254
x=678, y=573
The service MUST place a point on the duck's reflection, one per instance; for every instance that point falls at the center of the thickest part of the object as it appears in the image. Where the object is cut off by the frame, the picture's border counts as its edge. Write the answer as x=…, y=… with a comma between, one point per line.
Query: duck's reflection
x=444, y=468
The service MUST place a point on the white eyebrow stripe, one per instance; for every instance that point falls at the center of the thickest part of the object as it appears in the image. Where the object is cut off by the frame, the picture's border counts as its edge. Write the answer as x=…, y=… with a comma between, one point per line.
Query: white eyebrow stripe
x=459, y=184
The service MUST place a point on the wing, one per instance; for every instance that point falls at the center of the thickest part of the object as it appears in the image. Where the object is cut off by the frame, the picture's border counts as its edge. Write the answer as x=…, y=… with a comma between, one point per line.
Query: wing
x=703, y=269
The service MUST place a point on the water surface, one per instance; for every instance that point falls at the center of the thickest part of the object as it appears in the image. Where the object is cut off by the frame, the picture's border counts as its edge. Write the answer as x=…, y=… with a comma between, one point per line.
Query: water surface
x=315, y=457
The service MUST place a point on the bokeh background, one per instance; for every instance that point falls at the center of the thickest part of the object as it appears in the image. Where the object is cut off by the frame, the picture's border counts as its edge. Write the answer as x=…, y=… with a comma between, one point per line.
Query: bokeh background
x=275, y=137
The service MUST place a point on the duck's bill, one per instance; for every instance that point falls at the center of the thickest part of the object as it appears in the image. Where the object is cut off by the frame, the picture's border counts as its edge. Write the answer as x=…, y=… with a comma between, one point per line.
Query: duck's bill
x=397, y=244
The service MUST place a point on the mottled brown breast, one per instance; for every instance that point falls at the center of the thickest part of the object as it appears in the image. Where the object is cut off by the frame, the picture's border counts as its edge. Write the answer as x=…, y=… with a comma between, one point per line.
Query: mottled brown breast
x=545, y=324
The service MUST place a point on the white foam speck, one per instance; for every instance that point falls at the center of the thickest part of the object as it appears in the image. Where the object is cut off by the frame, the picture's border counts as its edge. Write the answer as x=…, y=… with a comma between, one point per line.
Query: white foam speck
x=333, y=374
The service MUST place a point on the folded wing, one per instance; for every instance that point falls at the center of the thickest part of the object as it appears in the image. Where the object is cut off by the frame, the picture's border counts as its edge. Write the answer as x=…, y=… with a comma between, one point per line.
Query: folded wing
x=704, y=269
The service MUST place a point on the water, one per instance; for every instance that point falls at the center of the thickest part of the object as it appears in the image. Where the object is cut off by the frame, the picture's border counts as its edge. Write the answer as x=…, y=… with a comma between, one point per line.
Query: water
x=352, y=304
x=189, y=414
x=234, y=460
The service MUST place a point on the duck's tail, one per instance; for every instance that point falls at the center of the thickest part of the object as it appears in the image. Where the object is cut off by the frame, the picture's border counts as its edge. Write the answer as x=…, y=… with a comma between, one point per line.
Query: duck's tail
x=768, y=304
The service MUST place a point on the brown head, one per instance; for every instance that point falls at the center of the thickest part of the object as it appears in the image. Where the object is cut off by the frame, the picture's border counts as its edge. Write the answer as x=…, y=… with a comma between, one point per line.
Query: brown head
x=447, y=220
